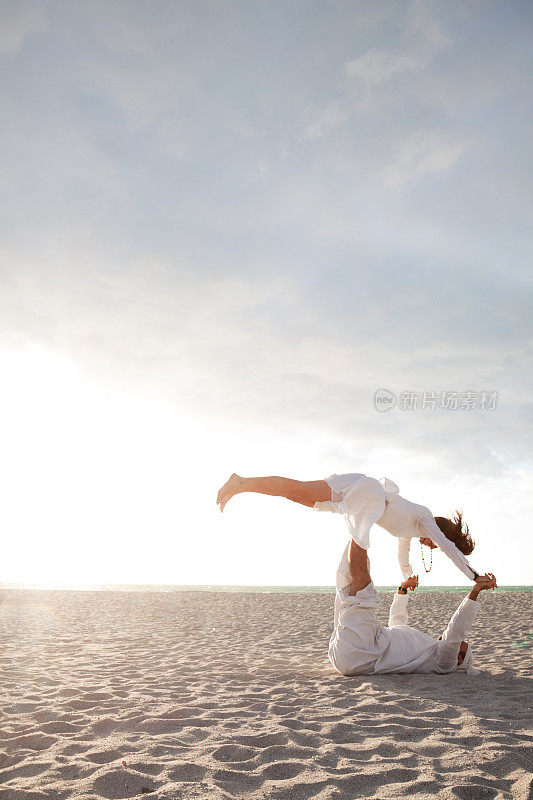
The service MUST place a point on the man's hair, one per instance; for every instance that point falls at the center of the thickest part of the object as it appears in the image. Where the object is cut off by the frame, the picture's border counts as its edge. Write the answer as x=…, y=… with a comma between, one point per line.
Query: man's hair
x=457, y=532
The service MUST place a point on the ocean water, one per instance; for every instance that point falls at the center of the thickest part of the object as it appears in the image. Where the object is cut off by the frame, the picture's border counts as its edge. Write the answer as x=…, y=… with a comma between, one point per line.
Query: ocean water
x=134, y=587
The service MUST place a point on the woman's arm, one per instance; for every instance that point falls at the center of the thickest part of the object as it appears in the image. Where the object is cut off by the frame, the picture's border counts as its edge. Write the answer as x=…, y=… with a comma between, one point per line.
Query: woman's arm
x=428, y=527
x=403, y=557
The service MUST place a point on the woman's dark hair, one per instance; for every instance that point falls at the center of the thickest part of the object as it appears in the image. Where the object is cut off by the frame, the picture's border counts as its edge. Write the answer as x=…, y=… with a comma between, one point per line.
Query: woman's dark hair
x=457, y=532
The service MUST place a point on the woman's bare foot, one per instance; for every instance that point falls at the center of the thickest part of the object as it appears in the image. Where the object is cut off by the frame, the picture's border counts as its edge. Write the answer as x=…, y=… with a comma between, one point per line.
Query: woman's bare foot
x=226, y=492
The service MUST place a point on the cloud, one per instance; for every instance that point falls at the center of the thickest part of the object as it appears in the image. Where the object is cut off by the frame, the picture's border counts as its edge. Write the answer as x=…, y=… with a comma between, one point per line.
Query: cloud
x=260, y=348
x=422, y=153
x=20, y=21
x=368, y=76
x=126, y=28
x=330, y=117
x=424, y=28
x=423, y=38
x=173, y=244
x=378, y=66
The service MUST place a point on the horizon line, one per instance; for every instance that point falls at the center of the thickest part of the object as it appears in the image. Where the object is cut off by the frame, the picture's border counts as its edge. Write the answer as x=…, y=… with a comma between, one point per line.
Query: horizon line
x=256, y=588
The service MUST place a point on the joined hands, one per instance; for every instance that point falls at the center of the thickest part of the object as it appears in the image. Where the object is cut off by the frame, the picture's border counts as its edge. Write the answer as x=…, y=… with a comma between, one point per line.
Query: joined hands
x=410, y=583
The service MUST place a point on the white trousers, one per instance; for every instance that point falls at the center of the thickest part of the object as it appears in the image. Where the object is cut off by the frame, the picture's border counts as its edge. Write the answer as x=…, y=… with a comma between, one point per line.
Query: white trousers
x=358, y=639
x=360, y=499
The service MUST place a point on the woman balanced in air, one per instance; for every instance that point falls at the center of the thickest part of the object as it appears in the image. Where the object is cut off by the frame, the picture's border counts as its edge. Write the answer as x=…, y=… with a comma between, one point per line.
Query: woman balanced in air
x=364, y=501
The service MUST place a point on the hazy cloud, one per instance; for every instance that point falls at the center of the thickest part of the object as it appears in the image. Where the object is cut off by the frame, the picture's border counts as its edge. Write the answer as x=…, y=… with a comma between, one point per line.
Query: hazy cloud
x=19, y=22
x=268, y=212
x=420, y=153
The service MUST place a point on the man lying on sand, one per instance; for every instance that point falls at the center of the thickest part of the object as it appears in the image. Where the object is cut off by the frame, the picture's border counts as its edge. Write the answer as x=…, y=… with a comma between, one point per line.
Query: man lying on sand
x=361, y=645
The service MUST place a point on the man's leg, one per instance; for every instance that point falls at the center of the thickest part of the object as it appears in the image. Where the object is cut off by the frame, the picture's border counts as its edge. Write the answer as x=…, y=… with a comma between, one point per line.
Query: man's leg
x=359, y=568
x=357, y=641
x=307, y=493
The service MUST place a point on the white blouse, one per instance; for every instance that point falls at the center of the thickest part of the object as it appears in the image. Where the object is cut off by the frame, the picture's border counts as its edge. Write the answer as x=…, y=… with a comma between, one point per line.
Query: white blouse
x=408, y=520
x=361, y=500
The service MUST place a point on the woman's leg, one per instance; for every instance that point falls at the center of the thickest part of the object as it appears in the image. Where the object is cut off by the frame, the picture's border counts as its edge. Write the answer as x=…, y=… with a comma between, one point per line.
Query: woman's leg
x=305, y=492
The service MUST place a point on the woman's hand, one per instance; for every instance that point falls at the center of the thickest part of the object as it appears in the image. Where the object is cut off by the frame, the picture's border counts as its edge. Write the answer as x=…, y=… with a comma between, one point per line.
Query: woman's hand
x=411, y=583
x=487, y=581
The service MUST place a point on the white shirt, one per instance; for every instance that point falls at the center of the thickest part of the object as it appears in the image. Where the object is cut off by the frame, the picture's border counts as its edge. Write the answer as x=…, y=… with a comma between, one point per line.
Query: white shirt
x=407, y=520
x=410, y=650
x=362, y=500
x=361, y=645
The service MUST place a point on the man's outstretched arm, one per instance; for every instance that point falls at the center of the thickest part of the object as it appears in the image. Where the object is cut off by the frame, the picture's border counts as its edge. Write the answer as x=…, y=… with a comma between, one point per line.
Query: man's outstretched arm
x=398, y=609
x=461, y=622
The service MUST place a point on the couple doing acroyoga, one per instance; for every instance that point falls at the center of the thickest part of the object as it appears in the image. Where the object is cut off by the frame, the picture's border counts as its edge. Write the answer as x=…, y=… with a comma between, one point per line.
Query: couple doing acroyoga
x=360, y=644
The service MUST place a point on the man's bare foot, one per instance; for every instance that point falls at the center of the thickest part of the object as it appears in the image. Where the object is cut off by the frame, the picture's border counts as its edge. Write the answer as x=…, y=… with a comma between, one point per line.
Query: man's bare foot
x=226, y=492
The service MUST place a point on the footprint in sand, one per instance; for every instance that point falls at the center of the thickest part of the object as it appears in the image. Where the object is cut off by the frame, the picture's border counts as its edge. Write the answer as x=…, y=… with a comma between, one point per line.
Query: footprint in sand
x=283, y=770
x=187, y=773
x=238, y=782
x=103, y=757
x=120, y=783
x=33, y=741
x=234, y=752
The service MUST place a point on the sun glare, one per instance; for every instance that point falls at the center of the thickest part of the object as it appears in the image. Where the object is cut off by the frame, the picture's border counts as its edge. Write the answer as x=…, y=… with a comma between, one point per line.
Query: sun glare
x=89, y=471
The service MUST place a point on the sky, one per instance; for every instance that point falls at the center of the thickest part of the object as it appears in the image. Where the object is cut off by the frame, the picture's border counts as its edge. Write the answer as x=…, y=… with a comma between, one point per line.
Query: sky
x=226, y=226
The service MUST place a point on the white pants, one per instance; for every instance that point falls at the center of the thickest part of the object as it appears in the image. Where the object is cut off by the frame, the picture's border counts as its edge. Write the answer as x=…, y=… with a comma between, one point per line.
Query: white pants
x=360, y=499
x=358, y=639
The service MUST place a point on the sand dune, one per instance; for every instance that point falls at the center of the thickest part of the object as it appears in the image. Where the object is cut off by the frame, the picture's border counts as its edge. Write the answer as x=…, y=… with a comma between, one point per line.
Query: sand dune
x=200, y=695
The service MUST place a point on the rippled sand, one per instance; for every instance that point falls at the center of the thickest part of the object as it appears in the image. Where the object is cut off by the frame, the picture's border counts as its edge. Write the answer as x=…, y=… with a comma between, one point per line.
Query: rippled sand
x=200, y=695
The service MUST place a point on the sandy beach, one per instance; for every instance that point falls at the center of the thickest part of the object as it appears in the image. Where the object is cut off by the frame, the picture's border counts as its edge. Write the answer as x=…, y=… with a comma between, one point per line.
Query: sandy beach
x=206, y=695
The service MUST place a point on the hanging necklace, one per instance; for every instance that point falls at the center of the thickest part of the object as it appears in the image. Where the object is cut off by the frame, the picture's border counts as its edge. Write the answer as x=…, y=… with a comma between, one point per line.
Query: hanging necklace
x=431, y=558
